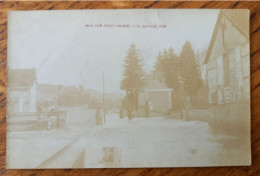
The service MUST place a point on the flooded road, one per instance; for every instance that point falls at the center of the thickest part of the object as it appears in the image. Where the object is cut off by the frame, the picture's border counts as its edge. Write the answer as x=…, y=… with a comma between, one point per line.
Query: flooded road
x=141, y=142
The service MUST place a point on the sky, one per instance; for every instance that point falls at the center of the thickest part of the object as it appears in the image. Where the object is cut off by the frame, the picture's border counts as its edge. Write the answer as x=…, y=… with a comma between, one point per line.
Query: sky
x=64, y=51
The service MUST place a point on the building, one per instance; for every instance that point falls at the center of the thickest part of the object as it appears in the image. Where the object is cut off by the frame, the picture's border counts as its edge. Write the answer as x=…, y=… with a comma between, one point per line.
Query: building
x=46, y=95
x=155, y=96
x=200, y=57
x=21, y=89
x=227, y=59
x=70, y=96
x=227, y=62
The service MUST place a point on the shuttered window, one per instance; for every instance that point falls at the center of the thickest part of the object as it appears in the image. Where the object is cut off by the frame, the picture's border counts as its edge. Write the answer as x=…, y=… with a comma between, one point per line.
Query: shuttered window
x=226, y=70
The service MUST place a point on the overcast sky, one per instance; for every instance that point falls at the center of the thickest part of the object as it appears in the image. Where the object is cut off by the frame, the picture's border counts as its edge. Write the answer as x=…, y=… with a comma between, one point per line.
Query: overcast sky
x=65, y=51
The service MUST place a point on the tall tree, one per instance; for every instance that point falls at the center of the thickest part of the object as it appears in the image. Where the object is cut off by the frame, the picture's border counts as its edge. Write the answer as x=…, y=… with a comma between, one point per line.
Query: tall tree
x=172, y=71
x=161, y=67
x=158, y=67
x=166, y=69
x=133, y=77
x=189, y=71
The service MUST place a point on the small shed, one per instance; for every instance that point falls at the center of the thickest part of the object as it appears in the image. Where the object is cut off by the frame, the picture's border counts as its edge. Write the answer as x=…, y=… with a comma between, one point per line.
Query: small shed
x=156, y=96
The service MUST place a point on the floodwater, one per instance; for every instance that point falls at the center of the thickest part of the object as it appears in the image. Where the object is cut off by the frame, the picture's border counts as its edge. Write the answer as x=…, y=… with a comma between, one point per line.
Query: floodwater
x=141, y=142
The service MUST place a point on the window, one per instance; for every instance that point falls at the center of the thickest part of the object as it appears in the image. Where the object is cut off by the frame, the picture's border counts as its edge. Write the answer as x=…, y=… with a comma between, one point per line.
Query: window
x=226, y=70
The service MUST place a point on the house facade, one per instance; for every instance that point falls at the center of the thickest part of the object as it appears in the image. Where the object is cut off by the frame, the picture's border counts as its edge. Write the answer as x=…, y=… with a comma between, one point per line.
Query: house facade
x=21, y=89
x=228, y=59
x=228, y=67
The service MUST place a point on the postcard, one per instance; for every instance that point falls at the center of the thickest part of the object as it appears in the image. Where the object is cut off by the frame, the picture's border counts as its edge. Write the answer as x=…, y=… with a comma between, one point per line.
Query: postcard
x=128, y=88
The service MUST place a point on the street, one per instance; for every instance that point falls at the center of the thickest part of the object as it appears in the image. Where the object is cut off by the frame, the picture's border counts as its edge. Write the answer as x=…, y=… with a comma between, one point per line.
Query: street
x=141, y=142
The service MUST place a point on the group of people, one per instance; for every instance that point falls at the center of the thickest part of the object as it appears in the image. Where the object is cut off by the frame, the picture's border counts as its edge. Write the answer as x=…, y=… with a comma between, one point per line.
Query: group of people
x=129, y=114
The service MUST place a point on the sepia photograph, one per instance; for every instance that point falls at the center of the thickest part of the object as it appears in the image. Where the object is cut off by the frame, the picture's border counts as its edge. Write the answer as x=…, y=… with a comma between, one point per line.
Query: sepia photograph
x=128, y=88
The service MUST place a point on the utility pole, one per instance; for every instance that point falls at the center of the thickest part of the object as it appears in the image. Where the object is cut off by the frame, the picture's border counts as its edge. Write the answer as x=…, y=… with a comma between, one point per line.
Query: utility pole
x=104, y=111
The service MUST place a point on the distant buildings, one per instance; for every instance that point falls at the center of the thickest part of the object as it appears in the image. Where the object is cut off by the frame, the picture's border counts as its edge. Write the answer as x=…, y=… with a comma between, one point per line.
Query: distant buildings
x=72, y=96
x=46, y=95
x=26, y=95
x=21, y=89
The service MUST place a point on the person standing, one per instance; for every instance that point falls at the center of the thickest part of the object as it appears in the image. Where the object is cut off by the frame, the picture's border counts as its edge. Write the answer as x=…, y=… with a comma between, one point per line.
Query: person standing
x=98, y=115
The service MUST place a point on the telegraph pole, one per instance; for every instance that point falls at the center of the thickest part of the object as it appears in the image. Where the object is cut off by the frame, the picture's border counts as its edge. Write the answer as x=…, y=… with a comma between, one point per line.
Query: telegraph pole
x=104, y=111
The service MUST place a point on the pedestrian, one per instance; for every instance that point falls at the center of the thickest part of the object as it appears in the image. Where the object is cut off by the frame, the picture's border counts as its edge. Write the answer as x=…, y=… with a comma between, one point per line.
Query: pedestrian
x=147, y=108
x=98, y=115
x=187, y=106
x=121, y=113
x=130, y=115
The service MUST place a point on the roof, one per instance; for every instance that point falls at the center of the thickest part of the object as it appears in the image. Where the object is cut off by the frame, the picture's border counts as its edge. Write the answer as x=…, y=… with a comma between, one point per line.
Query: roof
x=47, y=91
x=67, y=90
x=239, y=18
x=70, y=95
x=155, y=84
x=49, y=87
x=22, y=77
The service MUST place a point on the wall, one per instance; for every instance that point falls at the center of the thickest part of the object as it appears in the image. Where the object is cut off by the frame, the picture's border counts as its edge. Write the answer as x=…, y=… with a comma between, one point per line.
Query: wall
x=79, y=116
